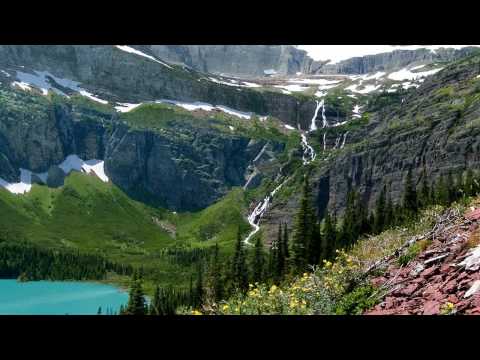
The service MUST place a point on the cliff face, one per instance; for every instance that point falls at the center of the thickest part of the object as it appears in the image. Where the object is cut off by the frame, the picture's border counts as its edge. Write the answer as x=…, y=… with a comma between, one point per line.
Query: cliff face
x=186, y=168
x=119, y=76
x=237, y=60
x=393, y=60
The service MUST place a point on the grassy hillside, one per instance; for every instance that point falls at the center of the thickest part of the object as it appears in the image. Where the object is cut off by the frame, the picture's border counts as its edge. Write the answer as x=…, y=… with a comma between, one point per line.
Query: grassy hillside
x=94, y=217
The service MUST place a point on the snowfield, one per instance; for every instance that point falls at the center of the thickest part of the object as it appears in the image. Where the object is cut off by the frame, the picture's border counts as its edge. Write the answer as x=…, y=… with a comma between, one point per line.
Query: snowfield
x=407, y=74
x=43, y=81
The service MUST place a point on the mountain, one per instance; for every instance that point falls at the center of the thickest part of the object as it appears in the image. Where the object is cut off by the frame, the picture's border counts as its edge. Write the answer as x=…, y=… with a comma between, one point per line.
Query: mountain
x=237, y=60
x=394, y=60
x=142, y=155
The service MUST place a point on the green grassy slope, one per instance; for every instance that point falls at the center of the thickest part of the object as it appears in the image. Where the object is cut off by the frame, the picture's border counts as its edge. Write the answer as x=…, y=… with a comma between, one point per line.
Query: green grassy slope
x=95, y=217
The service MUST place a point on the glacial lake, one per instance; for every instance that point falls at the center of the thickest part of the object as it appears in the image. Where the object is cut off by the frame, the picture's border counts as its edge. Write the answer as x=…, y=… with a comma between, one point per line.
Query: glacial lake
x=58, y=297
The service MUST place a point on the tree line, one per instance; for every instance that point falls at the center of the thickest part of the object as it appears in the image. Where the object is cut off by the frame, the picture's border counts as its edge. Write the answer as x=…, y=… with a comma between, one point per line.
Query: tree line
x=27, y=262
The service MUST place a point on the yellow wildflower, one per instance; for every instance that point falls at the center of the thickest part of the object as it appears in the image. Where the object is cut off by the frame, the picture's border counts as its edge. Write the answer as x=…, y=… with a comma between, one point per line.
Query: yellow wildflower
x=196, y=312
x=225, y=307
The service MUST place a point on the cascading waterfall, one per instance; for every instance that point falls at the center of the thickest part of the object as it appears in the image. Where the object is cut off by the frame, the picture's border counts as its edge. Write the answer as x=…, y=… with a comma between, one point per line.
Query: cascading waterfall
x=259, y=211
x=337, y=141
x=308, y=152
x=313, y=125
x=307, y=157
x=344, y=139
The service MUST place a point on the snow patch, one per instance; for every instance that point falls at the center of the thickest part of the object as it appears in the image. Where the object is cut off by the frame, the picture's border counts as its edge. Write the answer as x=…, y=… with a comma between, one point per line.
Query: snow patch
x=126, y=107
x=40, y=79
x=138, y=52
x=473, y=289
x=472, y=262
x=294, y=87
x=406, y=74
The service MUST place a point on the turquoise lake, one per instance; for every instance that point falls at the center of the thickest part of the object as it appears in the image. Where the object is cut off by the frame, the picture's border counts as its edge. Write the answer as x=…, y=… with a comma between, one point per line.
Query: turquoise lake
x=58, y=298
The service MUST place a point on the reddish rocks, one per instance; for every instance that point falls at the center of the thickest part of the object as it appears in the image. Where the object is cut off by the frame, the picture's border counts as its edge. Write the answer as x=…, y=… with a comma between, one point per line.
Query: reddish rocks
x=425, y=288
x=429, y=272
x=410, y=289
x=473, y=215
x=431, y=308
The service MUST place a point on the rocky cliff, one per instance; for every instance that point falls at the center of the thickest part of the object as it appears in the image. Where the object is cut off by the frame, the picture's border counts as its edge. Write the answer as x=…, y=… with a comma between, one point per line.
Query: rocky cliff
x=182, y=167
x=237, y=60
x=394, y=60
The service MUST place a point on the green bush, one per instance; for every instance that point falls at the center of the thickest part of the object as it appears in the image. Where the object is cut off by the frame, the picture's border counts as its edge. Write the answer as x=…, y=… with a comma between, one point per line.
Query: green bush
x=356, y=302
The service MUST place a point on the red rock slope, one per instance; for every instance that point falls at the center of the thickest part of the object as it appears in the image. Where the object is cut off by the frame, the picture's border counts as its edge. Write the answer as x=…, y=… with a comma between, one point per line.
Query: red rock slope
x=443, y=279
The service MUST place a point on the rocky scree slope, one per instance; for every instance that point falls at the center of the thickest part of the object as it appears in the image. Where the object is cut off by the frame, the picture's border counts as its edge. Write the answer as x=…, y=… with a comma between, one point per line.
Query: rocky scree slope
x=443, y=279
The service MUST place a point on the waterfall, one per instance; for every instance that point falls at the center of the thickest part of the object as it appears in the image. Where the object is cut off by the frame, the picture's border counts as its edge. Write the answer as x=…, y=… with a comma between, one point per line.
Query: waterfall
x=344, y=139
x=313, y=125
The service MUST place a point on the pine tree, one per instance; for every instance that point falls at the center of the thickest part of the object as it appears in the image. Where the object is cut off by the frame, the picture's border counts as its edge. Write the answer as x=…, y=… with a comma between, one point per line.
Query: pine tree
x=315, y=246
x=351, y=224
x=279, y=256
x=441, y=193
x=459, y=186
x=389, y=213
x=304, y=228
x=380, y=211
x=285, y=247
x=136, y=300
x=155, y=304
x=329, y=237
x=469, y=186
x=410, y=202
x=425, y=190
x=450, y=185
x=99, y=311
x=258, y=262
x=216, y=276
x=239, y=271
x=199, y=292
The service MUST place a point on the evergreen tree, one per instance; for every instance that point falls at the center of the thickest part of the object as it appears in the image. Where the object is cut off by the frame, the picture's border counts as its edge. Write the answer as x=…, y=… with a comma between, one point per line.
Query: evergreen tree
x=433, y=193
x=99, y=311
x=258, y=262
x=380, y=211
x=329, y=237
x=410, y=202
x=136, y=300
x=389, y=213
x=425, y=190
x=459, y=186
x=216, y=276
x=450, y=185
x=285, y=247
x=279, y=256
x=155, y=304
x=239, y=271
x=199, y=292
x=469, y=186
x=442, y=194
x=315, y=246
x=350, y=225
x=303, y=231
